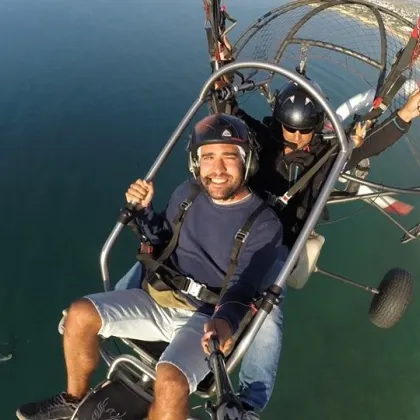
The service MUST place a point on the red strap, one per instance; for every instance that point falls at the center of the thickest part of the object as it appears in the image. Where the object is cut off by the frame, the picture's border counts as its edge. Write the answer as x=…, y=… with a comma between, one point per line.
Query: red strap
x=146, y=249
x=253, y=308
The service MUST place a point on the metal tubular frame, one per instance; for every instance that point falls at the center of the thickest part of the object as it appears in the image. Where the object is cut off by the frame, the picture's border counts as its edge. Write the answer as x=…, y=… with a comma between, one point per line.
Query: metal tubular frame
x=129, y=360
x=262, y=21
x=333, y=176
x=333, y=47
x=296, y=27
x=380, y=187
x=268, y=17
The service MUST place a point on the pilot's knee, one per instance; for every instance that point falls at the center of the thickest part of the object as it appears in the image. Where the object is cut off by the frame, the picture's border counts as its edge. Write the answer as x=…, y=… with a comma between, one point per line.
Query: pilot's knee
x=83, y=317
x=170, y=382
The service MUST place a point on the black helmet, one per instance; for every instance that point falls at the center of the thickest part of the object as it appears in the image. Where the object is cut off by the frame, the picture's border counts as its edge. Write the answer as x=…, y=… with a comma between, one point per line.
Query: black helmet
x=223, y=128
x=296, y=109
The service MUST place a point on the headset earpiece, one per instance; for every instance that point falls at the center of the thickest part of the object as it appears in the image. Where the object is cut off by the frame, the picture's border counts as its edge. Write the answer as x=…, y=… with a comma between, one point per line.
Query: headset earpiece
x=251, y=164
x=322, y=116
x=193, y=165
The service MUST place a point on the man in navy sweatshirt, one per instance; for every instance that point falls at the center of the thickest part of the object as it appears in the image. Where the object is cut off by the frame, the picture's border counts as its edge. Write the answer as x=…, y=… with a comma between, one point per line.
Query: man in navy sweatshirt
x=208, y=218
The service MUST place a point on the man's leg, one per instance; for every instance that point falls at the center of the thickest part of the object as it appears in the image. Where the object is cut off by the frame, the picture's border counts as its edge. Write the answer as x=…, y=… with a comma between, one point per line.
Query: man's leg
x=181, y=368
x=128, y=313
x=171, y=390
x=81, y=346
x=131, y=279
x=258, y=371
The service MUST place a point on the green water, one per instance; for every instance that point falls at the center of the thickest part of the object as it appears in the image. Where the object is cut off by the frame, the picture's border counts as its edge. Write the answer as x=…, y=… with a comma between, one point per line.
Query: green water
x=89, y=93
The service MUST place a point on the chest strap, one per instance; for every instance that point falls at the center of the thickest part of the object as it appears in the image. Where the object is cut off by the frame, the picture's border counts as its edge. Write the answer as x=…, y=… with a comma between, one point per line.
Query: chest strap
x=301, y=183
x=178, y=221
x=240, y=238
x=164, y=275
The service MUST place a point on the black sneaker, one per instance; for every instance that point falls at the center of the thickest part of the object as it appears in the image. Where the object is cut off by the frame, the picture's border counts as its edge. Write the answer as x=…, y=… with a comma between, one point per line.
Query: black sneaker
x=58, y=407
x=250, y=415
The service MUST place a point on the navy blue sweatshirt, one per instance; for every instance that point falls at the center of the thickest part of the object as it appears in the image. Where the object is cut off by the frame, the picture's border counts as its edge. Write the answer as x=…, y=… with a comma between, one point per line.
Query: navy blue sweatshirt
x=205, y=244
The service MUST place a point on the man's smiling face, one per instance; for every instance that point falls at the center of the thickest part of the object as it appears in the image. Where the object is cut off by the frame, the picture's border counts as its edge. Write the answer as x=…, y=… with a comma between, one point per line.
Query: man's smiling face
x=221, y=170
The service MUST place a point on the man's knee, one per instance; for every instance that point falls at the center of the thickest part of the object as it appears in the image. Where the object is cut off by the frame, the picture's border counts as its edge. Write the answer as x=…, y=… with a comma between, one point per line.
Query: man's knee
x=83, y=316
x=170, y=382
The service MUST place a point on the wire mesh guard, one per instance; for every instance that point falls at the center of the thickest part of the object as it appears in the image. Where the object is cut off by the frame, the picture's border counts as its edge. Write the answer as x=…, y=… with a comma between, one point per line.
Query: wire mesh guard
x=360, y=38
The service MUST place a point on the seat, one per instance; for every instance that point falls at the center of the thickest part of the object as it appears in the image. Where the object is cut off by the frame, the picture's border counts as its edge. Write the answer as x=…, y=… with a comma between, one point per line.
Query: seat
x=156, y=348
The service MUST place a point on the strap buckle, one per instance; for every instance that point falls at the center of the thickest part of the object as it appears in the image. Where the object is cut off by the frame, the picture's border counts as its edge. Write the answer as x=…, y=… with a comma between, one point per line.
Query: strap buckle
x=185, y=204
x=284, y=199
x=193, y=288
x=241, y=235
x=271, y=199
x=274, y=201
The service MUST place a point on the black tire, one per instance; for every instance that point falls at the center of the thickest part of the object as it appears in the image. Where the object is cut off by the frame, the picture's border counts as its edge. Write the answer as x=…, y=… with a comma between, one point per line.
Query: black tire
x=390, y=304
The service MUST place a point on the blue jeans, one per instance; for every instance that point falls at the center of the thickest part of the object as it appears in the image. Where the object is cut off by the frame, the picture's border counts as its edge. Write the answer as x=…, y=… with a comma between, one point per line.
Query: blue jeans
x=131, y=279
x=258, y=371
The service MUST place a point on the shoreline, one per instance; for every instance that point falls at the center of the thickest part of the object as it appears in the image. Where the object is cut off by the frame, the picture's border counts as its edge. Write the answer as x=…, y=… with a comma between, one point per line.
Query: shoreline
x=361, y=14
x=402, y=32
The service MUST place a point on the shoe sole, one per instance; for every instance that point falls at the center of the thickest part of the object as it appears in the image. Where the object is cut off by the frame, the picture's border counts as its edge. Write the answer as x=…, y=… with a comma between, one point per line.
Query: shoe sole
x=20, y=416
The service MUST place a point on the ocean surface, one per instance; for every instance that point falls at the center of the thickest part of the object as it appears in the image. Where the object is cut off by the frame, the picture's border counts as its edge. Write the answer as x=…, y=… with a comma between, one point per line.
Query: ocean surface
x=89, y=94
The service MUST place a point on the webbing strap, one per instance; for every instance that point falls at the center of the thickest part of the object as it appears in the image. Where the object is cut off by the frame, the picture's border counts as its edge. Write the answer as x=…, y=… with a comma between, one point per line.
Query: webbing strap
x=192, y=288
x=178, y=221
x=186, y=284
x=301, y=183
x=239, y=241
x=175, y=281
x=382, y=103
x=211, y=42
x=404, y=59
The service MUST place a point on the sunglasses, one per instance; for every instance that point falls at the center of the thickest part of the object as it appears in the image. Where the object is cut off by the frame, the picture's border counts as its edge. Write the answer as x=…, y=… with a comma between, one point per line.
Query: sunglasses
x=301, y=131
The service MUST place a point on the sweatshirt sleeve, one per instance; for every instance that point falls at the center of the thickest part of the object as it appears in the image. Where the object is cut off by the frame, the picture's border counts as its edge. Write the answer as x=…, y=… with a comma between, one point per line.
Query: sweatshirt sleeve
x=264, y=248
x=379, y=139
x=261, y=129
x=250, y=122
x=156, y=226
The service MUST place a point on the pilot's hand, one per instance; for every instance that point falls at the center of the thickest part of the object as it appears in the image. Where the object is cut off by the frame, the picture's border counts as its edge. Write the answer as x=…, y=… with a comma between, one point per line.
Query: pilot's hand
x=360, y=132
x=141, y=193
x=411, y=109
x=220, y=328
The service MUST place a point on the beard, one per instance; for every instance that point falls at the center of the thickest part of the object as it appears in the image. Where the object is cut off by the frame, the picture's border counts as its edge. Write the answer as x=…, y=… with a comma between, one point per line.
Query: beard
x=223, y=191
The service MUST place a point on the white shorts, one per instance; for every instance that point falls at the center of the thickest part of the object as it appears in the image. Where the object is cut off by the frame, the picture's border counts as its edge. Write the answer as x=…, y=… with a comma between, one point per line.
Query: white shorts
x=132, y=313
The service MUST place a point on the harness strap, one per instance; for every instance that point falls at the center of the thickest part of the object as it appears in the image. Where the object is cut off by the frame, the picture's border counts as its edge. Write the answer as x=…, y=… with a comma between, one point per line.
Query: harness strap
x=240, y=238
x=157, y=279
x=404, y=60
x=178, y=221
x=157, y=267
x=301, y=183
